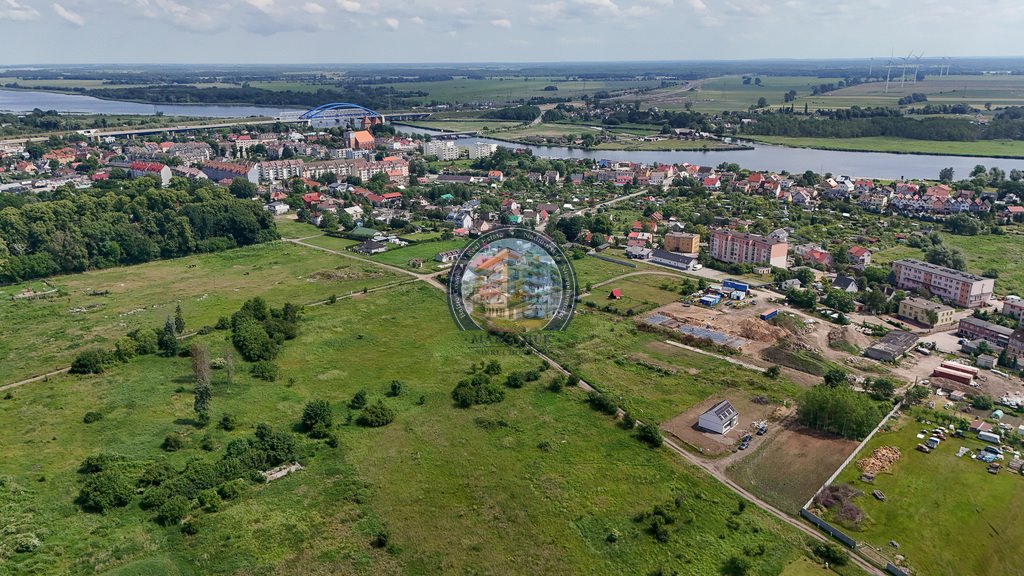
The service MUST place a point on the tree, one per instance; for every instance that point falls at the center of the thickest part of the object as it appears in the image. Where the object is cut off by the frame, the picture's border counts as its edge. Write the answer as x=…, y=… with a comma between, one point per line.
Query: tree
x=881, y=388
x=839, y=410
x=946, y=174
x=982, y=402
x=93, y=361
x=265, y=370
x=649, y=434
x=242, y=188
x=915, y=395
x=773, y=372
x=168, y=339
x=179, y=320
x=317, y=418
x=106, y=489
x=200, y=356
x=762, y=102
x=173, y=510
x=840, y=300
x=395, y=389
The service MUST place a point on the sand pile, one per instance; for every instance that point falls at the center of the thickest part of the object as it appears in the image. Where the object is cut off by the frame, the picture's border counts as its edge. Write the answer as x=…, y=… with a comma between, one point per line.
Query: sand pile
x=850, y=335
x=758, y=330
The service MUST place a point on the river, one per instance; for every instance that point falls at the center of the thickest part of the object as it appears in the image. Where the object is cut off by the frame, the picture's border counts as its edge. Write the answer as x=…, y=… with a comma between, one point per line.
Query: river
x=21, y=101
x=778, y=158
x=762, y=157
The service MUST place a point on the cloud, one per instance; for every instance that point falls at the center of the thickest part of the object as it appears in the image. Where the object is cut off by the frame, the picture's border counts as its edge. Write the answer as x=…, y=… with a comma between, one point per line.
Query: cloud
x=501, y=23
x=313, y=8
x=391, y=23
x=350, y=6
x=12, y=10
x=265, y=6
x=416, y=20
x=68, y=15
x=179, y=15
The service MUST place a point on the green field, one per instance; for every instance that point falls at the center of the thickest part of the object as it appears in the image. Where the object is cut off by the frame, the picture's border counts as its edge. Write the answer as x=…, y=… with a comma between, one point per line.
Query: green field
x=424, y=251
x=592, y=270
x=44, y=335
x=948, y=515
x=534, y=484
x=639, y=293
x=289, y=227
x=974, y=90
x=466, y=125
x=996, y=148
x=729, y=93
x=500, y=90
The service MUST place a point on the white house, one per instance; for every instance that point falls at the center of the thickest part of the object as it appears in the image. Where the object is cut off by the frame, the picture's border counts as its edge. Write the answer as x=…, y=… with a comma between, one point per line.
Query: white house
x=721, y=418
x=277, y=208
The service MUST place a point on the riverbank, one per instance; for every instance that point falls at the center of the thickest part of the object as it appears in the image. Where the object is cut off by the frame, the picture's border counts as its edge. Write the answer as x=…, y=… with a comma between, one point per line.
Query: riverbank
x=1009, y=149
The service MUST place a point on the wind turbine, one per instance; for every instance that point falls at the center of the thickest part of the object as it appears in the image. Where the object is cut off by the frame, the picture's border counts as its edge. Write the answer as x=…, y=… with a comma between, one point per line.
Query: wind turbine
x=888, y=71
x=917, y=66
x=903, y=77
x=871, y=66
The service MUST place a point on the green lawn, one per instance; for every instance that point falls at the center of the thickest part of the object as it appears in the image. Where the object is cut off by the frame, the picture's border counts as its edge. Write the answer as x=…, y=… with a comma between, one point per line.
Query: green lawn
x=639, y=293
x=424, y=251
x=948, y=515
x=44, y=335
x=289, y=227
x=534, y=484
x=898, y=252
x=1005, y=148
x=729, y=93
x=1004, y=253
x=501, y=90
x=331, y=242
x=592, y=270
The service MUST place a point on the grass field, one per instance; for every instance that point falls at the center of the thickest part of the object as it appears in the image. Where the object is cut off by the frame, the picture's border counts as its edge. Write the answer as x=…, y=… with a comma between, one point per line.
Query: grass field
x=639, y=293
x=592, y=270
x=540, y=481
x=1004, y=148
x=289, y=227
x=948, y=515
x=425, y=252
x=729, y=93
x=974, y=90
x=500, y=90
x=51, y=332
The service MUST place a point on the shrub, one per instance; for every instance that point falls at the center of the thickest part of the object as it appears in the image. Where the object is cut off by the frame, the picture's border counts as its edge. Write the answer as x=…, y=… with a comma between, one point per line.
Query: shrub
x=105, y=490
x=649, y=434
x=556, y=383
x=831, y=553
x=157, y=473
x=145, y=341
x=380, y=539
x=252, y=341
x=91, y=417
x=173, y=510
x=628, y=422
x=100, y=462
x=982, y=402
x=514, y=380
x=231, y=489
x=317, y=418
x=493, y=368
x=93, y=361
x=358, y=401
x=125, y=349
x=376, y=415
x=572, y=380
x=265, y=370
x=172, y=443
x=209, y=500
x=227, y=422
x=602, y=403
x=396, y=388
x=218, y=363
x=477, y=389
x=773, y=372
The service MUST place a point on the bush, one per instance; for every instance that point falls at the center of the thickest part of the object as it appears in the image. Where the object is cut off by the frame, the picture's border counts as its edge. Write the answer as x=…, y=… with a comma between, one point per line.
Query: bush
x=265, y=370
x=572, y=380
x=773, y=372
x=396, y=389
x=358, y=401
x=93, y=361
x=227, y=422
x=231, y=489
x=982, y=402
x=376, y=415
x=649, y=434
x=317, y=418
x=173, y=510
x=602, y=403
x=831, y=553
x=477, y=389
x=145, y=341
x=514, y=380
x=493, y=368
x=252, y=341
x=157, y=473
x=105, y=490
x=125, y=349
x=556, y=383
x=209, y=500
x=218, y=363
x=91, y=417
x=172, y=443
x=628, y=422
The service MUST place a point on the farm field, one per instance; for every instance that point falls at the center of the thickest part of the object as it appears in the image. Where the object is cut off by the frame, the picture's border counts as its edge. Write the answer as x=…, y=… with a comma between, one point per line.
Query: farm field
x=500, y=90
x=729, y=93
x=424, y=251
x=542, y=480
x=96, y=308
x=974, y=90
x=948, y=515
x=994, y=148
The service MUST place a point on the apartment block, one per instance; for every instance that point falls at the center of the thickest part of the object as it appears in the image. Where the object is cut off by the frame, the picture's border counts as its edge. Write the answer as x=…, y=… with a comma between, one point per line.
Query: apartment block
x=741, y=248
x=921, y=311
x=953, y=286
x=682, y=242
x=443, y=149
x=976, y=329
x=1013, y=306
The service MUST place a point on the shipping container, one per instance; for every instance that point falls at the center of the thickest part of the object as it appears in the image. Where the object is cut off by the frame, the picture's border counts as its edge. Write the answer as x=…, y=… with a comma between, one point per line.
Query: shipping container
x=960, y=368
x=769, y=314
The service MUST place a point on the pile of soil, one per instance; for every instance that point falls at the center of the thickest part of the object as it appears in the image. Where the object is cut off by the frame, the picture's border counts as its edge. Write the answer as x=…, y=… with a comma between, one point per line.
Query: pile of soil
x=881, y=460
x=759, y=330
x=342, y=273
x=850, y=335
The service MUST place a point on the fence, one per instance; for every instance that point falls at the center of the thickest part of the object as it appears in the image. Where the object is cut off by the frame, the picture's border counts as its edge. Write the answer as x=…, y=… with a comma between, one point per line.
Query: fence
x=895, y=570
x=825, y=526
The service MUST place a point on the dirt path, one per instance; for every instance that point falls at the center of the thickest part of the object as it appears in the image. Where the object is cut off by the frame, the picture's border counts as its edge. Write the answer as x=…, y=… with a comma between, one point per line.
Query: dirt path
x=643, y=273
x=428, y=278
x=721, y=477
x=741, y=363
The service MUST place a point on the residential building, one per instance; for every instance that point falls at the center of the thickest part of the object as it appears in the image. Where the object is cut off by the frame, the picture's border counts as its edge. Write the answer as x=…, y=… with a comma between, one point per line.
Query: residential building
x=274, y=170
x=673, y=260
x=482, y=150
x=956, y=287
x=846, y=284
x=926, y=312
x=682, y=242
x=859, y=256
x=161, y=171
x=977, y=329
x=443, y=149
x=230, y=170
x=1013, y=306
x=741, y=248
x=720, y=419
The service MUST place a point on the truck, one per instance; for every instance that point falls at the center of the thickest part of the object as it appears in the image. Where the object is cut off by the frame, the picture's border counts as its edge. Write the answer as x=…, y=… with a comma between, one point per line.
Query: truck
x=990, y=437
x=769, y=314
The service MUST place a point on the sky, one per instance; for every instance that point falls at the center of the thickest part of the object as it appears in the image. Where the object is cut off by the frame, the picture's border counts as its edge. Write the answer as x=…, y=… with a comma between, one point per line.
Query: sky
x=413, y=31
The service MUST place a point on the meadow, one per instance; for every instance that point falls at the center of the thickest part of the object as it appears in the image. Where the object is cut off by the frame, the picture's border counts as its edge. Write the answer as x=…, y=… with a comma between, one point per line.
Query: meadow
x=424, y=251
x=948, y=515
x=96, y=308
x=974, y=90
x=461, y=90
x=538, y=483
x=730, y=93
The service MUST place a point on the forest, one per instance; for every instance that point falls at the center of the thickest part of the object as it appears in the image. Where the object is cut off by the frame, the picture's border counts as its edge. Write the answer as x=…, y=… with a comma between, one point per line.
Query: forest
x=125, y=222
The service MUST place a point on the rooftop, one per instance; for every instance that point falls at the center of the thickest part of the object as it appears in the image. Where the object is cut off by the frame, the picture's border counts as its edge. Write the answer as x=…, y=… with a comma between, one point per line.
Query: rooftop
x=940, y=269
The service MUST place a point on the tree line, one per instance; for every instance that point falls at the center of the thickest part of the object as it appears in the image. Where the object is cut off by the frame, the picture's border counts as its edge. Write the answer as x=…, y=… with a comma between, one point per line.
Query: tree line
x=76, y=231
